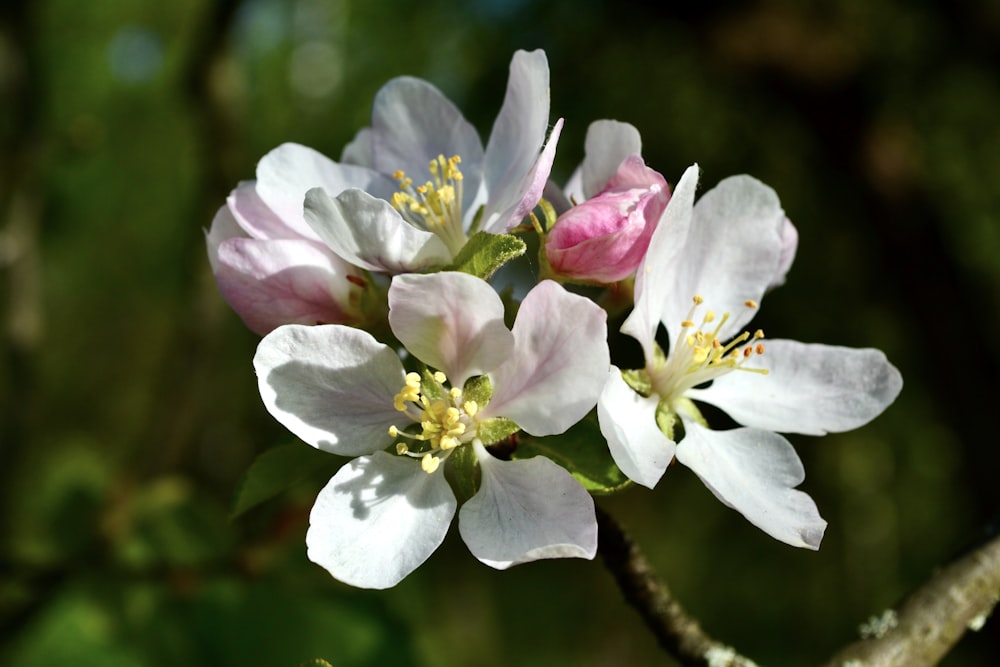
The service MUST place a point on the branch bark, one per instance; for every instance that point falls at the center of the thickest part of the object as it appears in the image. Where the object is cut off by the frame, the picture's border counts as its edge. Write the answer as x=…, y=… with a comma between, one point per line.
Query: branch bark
x=678, y=633
x=922, y=630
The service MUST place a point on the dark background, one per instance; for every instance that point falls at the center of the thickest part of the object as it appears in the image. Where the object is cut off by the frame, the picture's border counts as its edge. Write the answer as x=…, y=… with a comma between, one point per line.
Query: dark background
x=128, y=406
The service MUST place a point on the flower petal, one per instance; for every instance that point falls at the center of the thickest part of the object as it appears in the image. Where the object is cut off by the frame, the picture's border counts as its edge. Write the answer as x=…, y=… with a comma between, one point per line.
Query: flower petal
x=628, y=422
x=527, y=510
x=285, y=281
x=331, y=385
x=413, y=123
x=607, y=144
x=731, y=255
x=517, y=136
x=224, y=227
x=505, y=211
x=654, y=277
x=559, y=364
x=286, y=173
x=378, y=519
x=359, y=150
x=755, y=472
x=254, y=216
x=451, y=321
x=370, y=233
x=789, y=244
x=812, y=389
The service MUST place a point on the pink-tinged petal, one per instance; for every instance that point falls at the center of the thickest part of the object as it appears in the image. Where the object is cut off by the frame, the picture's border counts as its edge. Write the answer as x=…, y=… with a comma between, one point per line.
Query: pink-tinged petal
x=270, y=283
x=654, y=279
x=506, y=210
x=413, y=123
x=755, y=472
x=254, y=216
x=378, y=519
x=608, y=143
x=286, y=173
x=812, y=389
x=224, y=227
x=451, y=321
x=331, y=385
x=517, y=136
x=628, y=423
x=370, y=233
x=789, y=244
x=559, y=364
x=731, y=255
x=604, y=238
x=527, y=510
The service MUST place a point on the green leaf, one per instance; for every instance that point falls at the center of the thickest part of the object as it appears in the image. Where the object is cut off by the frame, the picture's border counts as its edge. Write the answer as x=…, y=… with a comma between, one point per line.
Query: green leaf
x=278, y=469
x=583, y=451
x=484, y=253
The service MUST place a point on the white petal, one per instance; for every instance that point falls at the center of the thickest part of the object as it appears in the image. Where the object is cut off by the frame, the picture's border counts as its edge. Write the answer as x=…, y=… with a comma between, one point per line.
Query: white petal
x=559, y=364
x=331, y=385
x=527, y=510
x=789, y=244
x=506, y=210
x=755, y=472
x=224, y=227
x=285, y=281
x=413, y=123
x=370, y=233
x=255, y=217
x=732, y=254
x=813, y=389
x=518, y=133
x=286, y=173
x=607, y=145
x=628, y=422
x=359, y=150
x=450, y=321
x=378, y=519
x=654, y=279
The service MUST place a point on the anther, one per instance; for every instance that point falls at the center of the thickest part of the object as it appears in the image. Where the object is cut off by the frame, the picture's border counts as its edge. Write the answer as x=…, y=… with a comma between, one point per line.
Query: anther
x=750, y=303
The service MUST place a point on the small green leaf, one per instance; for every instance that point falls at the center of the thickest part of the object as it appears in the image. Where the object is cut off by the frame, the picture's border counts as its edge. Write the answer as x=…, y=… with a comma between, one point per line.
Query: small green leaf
x=484, y=253
x=583, y=451
x=278, y=469
x=478, y=388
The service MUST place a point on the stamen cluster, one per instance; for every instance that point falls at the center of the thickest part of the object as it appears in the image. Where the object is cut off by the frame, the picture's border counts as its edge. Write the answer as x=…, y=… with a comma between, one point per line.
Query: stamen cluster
x=437, y=204
x=446, y=420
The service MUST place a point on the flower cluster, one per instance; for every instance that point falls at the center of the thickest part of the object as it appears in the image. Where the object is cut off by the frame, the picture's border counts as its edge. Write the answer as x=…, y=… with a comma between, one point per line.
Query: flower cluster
x=467, y=404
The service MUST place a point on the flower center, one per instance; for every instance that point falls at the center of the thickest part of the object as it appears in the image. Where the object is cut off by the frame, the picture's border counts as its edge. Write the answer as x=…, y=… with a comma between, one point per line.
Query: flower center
x=435, y=206
x=446, y=419
x=699, y=355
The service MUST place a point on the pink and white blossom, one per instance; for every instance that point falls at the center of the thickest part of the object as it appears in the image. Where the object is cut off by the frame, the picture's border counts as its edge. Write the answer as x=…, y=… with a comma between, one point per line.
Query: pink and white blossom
x=386, y=511
x=273, y=270
x=707, y=268
x=441, y=177
x=618, y=203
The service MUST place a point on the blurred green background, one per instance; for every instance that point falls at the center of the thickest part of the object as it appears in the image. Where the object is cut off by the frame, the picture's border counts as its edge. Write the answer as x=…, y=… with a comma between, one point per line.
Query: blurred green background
x=129, y=409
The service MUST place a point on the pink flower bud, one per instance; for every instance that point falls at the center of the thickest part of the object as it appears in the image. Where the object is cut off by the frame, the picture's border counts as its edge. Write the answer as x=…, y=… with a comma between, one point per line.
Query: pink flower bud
x=604, y=238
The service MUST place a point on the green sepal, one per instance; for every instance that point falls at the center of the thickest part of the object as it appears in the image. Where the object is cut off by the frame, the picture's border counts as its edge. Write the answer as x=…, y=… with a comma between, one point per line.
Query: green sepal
x=667, y=420
x=280, y=468
x=639, y=380
x=583, y=451
x=479, y=389
x=429, y=387
x=494, y=430
x=462, y=472
x=484, y=253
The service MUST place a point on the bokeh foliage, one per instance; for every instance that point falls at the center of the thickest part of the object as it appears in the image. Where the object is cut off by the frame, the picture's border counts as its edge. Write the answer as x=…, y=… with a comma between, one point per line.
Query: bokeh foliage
x=128, y=406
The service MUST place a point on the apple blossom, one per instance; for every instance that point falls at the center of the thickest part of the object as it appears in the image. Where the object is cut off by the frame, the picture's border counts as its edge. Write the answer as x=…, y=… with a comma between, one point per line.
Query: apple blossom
x=273, y=270
x=446, y=184
x=386, y=511
x=724, y=253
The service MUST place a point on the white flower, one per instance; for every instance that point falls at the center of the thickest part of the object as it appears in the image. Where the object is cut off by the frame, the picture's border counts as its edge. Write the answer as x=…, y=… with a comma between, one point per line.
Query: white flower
x=707, y=268
x=408, y=189
x=342, y=391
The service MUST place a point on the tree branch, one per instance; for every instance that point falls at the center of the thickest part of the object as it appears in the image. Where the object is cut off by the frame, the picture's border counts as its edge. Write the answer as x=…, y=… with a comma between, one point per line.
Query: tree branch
x=935, y=616
x=672, y=626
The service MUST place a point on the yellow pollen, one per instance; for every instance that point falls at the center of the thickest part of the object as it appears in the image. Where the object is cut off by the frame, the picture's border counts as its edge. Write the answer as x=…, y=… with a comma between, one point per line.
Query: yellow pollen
x=697, y=300
x=687, y=324
x=429, y=463
x=709, y=316
x=398, y=175
x=759, y=333
x=401, y=448
x=750, y=303
x=760, y=348
x=393, y=431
